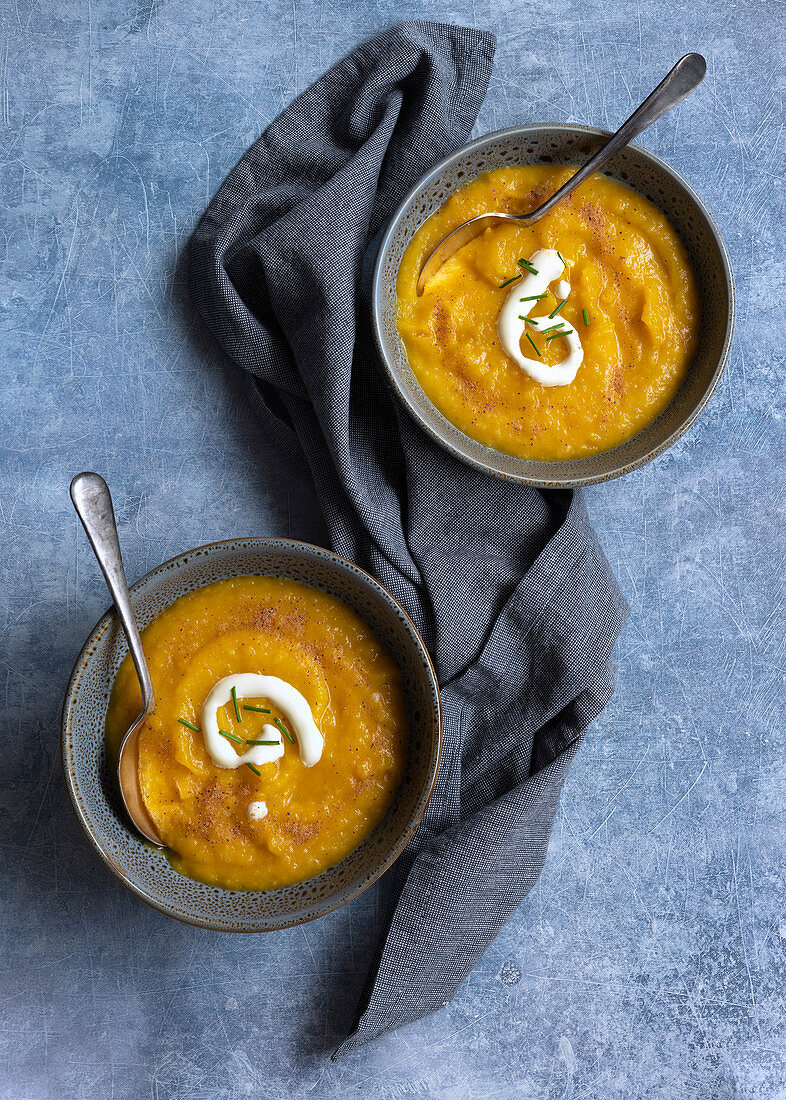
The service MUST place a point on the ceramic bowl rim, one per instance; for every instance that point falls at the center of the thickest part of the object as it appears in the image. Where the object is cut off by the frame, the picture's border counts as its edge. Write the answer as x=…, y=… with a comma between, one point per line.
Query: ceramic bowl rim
x=566, y=481
x=331, y=904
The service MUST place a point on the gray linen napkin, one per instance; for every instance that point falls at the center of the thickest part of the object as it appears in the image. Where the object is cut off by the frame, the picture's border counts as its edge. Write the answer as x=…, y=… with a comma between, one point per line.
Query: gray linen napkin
x=507, y=584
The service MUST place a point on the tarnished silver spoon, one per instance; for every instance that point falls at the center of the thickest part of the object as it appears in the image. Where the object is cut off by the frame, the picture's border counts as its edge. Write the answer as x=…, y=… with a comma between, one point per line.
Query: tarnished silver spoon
x=686, y=75
x=93, y=503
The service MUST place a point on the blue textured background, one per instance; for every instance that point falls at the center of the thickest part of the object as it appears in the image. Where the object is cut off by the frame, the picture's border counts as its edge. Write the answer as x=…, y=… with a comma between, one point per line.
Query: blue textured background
x=649, y=961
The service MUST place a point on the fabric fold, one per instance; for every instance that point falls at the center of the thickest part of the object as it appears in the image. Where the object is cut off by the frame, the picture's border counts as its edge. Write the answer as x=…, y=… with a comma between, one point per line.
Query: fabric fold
x=507, y=584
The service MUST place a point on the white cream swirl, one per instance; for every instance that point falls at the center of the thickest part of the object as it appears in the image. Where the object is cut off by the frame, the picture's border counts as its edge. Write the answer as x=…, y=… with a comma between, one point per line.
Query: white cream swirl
x=250, y=685
x=513, y=319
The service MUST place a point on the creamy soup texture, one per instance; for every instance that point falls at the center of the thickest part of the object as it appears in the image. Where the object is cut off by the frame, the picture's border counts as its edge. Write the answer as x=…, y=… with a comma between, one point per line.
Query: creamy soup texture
x=630, y=299
x=278, y=781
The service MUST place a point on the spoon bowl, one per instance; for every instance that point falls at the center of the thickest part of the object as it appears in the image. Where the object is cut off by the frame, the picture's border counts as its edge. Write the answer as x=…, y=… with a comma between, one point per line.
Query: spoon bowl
x=128, y=780
x=93, y=503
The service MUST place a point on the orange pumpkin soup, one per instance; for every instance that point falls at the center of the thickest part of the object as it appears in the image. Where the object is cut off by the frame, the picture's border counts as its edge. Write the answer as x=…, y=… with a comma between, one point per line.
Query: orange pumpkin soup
x=258, y=826
x=630, y=302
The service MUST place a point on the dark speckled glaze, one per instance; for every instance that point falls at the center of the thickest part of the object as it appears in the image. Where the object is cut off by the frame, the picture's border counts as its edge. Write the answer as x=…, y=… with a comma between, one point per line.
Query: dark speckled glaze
x=652, y=178
x=145, y=870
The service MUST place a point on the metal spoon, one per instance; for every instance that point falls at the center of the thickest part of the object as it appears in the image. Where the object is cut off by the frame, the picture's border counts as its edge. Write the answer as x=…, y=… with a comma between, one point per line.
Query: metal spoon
x=686, y=75
x=93, y=503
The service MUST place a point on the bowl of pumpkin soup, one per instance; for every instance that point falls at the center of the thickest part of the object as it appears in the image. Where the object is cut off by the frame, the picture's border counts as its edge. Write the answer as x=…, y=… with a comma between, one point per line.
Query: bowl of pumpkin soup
x=570, y=351
x=293, y=746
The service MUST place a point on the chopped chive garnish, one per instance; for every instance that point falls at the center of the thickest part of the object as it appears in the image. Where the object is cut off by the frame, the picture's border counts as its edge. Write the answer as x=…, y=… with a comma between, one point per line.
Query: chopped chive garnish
x=256, y=771
x=556, y=335
x=554, y=312
x=284, y=730
x=237, y=708
x=535, y=346
x=562, y=257
x=533, y=298
x=231, y=737
x=261, y=710
x=255, y=742
x=528, y=267
x=585, y=315
x=552, y=328
x=509, y=281
x=188, y=725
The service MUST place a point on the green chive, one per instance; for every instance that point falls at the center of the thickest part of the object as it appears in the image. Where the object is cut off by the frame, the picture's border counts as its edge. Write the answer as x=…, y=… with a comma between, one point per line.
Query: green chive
x=528, y=267
x=554, y=312
x=509, y=281
x=552, y=328
x=535, y=346
x=231, y=737
x=188, y=725
x=284, y=730
x=256, y=771
x=250, y=742
x=533, y=298
x=237, y=708
x=261, y=710
x=562, y=258
x=585, y=315
x=556, y=335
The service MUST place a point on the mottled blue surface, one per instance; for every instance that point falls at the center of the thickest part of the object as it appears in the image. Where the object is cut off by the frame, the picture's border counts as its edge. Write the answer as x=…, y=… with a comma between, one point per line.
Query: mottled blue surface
x=649, y=962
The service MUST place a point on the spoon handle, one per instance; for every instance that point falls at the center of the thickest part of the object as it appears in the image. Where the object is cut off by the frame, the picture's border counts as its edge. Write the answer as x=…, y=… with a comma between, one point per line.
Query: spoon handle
x=686, y=75
x=93, y=503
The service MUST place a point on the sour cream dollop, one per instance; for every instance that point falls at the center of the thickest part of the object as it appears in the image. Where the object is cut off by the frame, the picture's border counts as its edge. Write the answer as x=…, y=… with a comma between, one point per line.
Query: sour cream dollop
x=514, y=316
x=250, y=685
x=257, y=810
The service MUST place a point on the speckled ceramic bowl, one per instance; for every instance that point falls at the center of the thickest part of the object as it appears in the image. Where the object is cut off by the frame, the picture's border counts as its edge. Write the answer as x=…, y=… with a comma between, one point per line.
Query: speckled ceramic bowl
x=650, y=177
x=144, y=869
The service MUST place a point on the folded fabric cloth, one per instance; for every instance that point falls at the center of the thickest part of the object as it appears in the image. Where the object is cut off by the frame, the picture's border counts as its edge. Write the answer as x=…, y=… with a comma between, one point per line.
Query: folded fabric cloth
x=506, y=583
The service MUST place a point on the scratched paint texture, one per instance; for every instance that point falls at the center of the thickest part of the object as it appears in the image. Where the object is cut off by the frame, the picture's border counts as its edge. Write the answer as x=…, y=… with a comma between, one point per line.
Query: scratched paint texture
x=649, y=961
